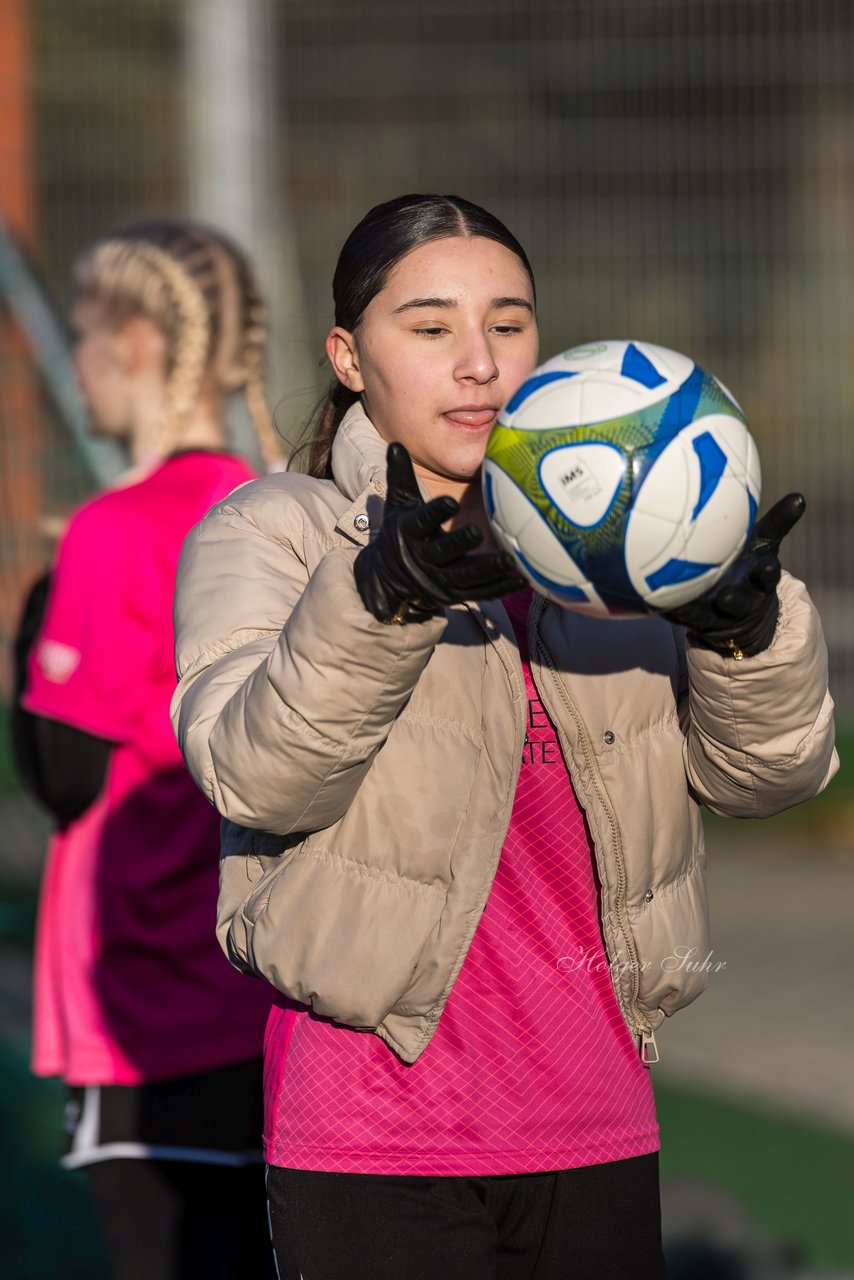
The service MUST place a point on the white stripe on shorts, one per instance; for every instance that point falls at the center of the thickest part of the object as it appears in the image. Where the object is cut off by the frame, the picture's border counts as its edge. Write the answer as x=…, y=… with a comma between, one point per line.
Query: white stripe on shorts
x=87, y=1148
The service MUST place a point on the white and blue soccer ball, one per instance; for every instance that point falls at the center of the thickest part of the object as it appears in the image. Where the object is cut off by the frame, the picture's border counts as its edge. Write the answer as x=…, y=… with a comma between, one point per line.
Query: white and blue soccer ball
x=622, y=478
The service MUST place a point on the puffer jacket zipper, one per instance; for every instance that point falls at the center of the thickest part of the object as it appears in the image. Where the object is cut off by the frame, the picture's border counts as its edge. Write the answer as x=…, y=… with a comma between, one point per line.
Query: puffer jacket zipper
x=638, y=1024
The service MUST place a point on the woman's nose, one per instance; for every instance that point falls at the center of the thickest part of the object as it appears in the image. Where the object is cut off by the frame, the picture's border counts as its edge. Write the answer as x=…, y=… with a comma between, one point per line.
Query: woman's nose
x=476, y=362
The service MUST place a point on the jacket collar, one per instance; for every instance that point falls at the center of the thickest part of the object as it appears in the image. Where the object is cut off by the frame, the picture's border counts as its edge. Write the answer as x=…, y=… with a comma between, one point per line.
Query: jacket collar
x=359, y=472
x=358, y=455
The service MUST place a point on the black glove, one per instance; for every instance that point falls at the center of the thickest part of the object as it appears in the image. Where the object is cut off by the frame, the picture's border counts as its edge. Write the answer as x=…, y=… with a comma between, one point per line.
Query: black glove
x=738, y=616
x=412, y=568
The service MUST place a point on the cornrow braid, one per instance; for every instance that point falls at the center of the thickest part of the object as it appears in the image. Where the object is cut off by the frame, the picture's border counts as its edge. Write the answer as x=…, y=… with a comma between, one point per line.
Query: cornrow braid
x=238, y=360
x=254, y=349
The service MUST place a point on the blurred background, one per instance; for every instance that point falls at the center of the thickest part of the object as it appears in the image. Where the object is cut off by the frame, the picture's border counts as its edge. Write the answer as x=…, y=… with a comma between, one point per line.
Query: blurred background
x=680, y=171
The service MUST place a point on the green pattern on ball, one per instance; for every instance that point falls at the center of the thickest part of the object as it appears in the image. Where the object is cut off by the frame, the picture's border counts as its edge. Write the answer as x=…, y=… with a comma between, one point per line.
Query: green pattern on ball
x=518, y=451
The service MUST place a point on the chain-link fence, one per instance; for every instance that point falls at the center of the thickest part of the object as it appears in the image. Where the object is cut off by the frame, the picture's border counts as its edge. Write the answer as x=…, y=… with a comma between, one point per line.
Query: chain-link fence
x=680, y=171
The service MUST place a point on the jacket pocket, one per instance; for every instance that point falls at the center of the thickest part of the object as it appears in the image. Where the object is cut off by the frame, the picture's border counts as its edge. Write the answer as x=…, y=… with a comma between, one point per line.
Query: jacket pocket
x=336, y=934
x=249, y=861
x=672, y=936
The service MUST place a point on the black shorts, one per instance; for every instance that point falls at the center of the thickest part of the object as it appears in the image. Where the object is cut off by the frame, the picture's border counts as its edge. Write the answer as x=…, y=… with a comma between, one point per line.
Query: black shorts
x=212, y=1118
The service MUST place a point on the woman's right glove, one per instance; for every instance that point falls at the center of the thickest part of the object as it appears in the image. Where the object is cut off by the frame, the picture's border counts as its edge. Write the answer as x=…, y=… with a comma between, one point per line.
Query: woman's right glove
x=738, y=616
x=413, y=568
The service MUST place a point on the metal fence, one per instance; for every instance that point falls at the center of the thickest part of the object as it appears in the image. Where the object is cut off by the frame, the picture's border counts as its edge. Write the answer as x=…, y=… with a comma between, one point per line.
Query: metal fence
x=681, y=171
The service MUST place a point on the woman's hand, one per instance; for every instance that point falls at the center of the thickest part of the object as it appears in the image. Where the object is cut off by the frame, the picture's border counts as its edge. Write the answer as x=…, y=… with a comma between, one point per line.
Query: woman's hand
x=412, y=568
x=738, y=617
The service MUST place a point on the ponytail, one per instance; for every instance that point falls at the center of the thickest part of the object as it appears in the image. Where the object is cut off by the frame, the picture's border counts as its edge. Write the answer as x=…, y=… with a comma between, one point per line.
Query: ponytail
x=322, y=428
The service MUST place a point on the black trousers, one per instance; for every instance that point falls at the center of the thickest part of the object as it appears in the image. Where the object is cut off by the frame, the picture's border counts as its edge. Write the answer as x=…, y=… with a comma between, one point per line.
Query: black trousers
x=596, y=1223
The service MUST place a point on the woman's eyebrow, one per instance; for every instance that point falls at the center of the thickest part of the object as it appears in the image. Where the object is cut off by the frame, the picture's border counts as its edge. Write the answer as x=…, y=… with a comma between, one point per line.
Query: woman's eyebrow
x=447, y=303
x=425, y=302
x=513, y=302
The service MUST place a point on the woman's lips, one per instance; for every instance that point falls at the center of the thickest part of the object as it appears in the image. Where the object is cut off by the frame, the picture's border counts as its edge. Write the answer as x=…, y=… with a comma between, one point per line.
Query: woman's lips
x=472, y=419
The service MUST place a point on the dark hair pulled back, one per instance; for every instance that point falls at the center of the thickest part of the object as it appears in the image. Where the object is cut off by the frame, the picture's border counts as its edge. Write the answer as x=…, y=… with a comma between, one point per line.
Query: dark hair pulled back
x=370, y=253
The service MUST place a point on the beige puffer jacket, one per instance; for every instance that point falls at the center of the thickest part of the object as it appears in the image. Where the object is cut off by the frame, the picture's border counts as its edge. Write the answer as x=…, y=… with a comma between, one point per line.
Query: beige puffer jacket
x=366, y=772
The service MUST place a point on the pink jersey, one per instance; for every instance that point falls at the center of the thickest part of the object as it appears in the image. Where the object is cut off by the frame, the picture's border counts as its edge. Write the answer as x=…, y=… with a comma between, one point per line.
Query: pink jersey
x=531, y=1068
x=130, y=982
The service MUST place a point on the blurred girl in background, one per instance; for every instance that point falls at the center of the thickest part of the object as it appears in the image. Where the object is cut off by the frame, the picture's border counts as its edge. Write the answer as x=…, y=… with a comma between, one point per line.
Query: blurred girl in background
x=135, y=1006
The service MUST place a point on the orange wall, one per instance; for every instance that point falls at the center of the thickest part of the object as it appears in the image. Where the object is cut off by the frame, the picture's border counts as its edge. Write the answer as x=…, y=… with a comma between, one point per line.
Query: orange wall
x=20, y=410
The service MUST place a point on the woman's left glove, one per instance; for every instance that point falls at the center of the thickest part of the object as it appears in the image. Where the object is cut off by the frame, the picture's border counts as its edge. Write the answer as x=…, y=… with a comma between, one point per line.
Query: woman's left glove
x=738, y=617
x=412, y=568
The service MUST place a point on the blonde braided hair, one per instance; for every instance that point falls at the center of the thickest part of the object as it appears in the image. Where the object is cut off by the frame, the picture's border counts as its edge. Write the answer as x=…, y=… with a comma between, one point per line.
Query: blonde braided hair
x=239, y=360
x=199, y=289
x=255, y=346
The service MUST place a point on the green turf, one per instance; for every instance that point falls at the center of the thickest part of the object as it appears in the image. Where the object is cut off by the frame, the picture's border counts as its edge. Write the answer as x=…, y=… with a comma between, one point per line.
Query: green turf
x=8, y=777
x=794, y=1178
x=17, y=916
x=48, y=1225
x=823, y=823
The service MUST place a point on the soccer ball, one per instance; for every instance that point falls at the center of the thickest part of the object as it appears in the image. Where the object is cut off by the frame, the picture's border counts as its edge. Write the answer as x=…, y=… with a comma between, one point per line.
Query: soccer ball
x=622, y=479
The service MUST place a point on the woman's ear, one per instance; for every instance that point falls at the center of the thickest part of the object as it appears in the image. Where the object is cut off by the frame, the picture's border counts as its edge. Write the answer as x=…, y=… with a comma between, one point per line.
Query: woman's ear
x=344, y=358
x=141, y=346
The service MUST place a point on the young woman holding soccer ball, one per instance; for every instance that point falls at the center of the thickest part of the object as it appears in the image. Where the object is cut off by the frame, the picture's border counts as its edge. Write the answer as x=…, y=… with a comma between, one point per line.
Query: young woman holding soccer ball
x=462, y=828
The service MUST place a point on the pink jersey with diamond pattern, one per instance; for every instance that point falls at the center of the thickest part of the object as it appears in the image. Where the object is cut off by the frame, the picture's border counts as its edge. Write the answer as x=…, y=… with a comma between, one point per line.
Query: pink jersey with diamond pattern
x=531, y=1068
